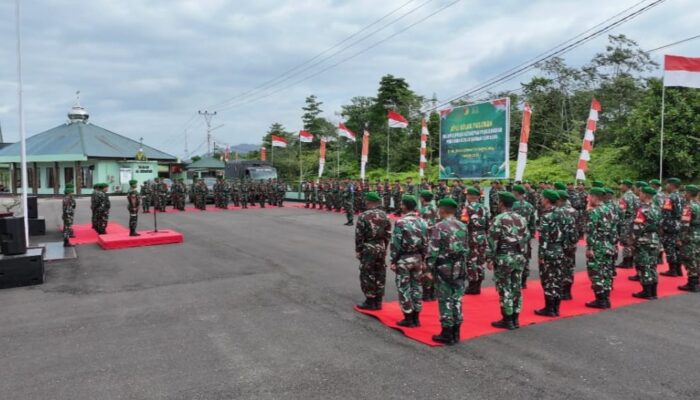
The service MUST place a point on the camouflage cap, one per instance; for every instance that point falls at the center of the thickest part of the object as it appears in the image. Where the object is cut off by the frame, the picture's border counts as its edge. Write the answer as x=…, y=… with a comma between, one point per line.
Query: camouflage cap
x=673, y=181
x=648, y=190
x=598, y=184
x=550, y=194
x=448, y=202
x=372, y=196
x=597, y=191
x=519, y=188
x=655, y=182
x=473, y=191
x=507, y=198
x=563, y=194
x=409, y=200
x=559, y=186
x=694, y=189
x=426, y=194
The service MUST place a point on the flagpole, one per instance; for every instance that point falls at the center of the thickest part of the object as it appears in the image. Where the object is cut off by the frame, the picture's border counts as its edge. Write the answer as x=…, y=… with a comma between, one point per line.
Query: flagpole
x=22, y=131
x=388, y=140
x=663, y=112
x=300, y=166
x=337, y=151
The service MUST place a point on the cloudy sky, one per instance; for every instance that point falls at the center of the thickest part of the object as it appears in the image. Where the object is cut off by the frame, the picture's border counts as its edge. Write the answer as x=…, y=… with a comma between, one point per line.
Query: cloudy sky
x=144, y=68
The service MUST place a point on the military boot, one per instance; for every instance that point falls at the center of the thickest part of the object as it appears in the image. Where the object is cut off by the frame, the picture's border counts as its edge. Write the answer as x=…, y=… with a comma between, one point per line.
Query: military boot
x=416, y=319
x=456, y=337
x=445, y=336
x=646, y=293
x=626, y=263
x=599, y=302
x=691, y=286
x=566, y=292
x=672, y=271
x=679, y=269
x=506, y=322
x=653, y=287
x=377, y=303
x=66, y=243
x=524, y=282
x=556, y=304
x=407, y=321
x=368, y=304
x=133, y=233
x=548, y=310
x=474, y=288
x=516, y=320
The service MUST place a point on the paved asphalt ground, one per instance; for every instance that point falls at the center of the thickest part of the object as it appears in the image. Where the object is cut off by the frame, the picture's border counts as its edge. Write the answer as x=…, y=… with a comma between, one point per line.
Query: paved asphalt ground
x=257, y=304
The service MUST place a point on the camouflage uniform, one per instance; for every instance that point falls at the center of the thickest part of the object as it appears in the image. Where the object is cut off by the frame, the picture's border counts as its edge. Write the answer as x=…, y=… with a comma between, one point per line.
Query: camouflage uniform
x=493, y=202
x=133, y=203
x=93, y=208
x=429, y=214
x=477, y=219
x=670, y=228
x=629, y=202
x=146, y=195
x=68, y=215
x=527, y=211
x=372, y=235
x=162, y=192
x=200, y=191
x=102, y=208
x=646, y=242
x=690, y=243
x=441, y=192
x=447, y=261
x=348, y=204
x=236, y=193
x=571, y=234
x=396, y=193
x=408, y=248
x=386, y=196
x=281, y=189
x=308, y=190
x=599, y=244
x=579, y=202
x=245, y=193
x=551, y=255
x=507, y=243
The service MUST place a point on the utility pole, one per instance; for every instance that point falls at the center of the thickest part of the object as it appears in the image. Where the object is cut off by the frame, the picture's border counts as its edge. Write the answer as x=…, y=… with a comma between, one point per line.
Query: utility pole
x=187, y=152
x=207, y=118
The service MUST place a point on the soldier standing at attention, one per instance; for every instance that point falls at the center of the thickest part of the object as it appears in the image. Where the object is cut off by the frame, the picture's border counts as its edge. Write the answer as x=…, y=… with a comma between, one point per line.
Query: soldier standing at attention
x=494, y=199
x=225, y=193
x=410, y=187
x=200, y=191
x=396, y=194
x=386, y=192
x=629, y=202
x=507, y=242
x=372, y=235
x=408, y=250
x=133, y=201
x=146, y=197
x=348, y=203
x=599, y=246
x=93, y=205
x=446, y=262
x=103, y=206
x=307, y=189
x=527, y=211
x=476, y=216
x=551, y=254
x=689, y=239
x=218, y=190
x=429, y=213
x=571, y=235
x=68, y=214
x=670, y=226
x=244, y=188
x=647, y=243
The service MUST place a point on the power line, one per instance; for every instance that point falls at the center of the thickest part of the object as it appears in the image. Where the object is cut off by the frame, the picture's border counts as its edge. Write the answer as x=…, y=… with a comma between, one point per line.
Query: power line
x=439, y=10
x=674, y=43
x=273, y=81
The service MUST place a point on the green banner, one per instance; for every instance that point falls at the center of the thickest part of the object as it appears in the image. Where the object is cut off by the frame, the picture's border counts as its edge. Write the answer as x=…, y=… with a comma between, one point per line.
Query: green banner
x=474, y=141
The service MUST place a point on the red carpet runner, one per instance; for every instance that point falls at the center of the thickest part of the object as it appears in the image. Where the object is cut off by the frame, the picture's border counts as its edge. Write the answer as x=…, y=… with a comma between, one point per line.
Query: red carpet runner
x=114, y=241
x=480, y=311
x=84, y=234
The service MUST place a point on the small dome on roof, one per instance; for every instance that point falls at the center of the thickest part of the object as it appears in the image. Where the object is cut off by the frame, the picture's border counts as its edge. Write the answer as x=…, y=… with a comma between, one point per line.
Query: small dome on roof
x=78, y=113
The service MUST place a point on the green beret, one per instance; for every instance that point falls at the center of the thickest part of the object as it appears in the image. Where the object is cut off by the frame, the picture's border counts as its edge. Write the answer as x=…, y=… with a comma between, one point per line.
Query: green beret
x=96, y=186
x=70, y=186
x=507, y=198
x=426, y=194
x=409, y=200
x=641, y=184
x=608, y=190
x=597, y=191
x=448, y=202
x=473, y=191
x=68, y=190
x=519, y=188
x=655, y=182
x=563, y=194
x=598, y=184
x=694, y=189
x=133, y=182
x=559, y=186
x=372, y=196
x=673, y=181
x=550, y=194
x=648, y=190
x=626, y=182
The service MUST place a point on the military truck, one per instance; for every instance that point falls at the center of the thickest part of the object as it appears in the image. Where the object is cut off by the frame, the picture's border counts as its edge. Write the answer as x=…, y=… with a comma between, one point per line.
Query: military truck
x=252, y=170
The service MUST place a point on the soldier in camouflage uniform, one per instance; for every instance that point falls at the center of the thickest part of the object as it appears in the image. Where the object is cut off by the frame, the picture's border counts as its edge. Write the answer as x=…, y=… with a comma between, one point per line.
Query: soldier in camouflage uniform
x=308, y=189
x=615, y=214
x=281, y=192
x=599, y=247
x=408, y=250
x=551, y=253
x=476, y=216
x=410, y=187
x=245, y=193
x=689, y=238
x=162, y=192
x=646, y=243
x=571, y=237
x=429, y=213
x=527, y=211
x=670, y=227
x=494, y=199
x=629, y=202
x=372, y=234
x=68, y=214
x=93, y=206
x=441, y=191
x=396, y=194
x=236, y=192
x=146, y=196
x=200, y=191
x=507, y=243
x=386, y=196
x=659, y=200
x=102, y=208
x=579, y=201
x=133, y=202
x=348, y=194
x=446, y=263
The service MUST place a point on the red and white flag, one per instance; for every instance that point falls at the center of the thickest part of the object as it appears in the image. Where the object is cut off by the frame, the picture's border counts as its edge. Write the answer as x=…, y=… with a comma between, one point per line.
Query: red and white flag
x=278, y=141
x=588, y=138
x=524, y=137
x=322, y=157
x=365, y=153
x=397, y=120
x=345, y=132
x=263, y=154
x=306, y=137
x=681, y=71
x=423, y=148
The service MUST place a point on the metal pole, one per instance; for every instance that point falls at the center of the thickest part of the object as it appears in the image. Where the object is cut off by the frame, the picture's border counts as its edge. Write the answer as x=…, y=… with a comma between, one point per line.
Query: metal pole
x=301, y=174
x=663, y=112
x=337, y=152
x=22, y=132
x=388, y=143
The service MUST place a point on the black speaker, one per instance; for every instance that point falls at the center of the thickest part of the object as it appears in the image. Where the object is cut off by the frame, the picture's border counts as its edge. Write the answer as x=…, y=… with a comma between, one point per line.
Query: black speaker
x=32, y=207
x=12, y=239
x=37, y=227
x=22, y=270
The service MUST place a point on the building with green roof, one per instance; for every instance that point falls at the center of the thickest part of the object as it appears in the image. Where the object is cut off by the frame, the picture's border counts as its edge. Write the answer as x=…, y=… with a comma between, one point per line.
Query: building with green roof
x=82, y=153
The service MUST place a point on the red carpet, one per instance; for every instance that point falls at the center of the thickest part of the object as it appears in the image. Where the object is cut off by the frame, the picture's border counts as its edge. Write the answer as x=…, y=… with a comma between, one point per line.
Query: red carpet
x=480, y=311
x=84, y=234
x=122, y=240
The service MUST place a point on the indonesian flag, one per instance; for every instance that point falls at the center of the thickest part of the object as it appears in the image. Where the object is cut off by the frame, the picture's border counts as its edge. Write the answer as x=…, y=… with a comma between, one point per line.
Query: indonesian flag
x=522, y=150
x=322, y=157
x=306, y=137
x=263, y=154
x=423, y=148
x=365, y=153
x=278, y=141
x=345, y=132
x=588, y=138
x=397, y=120
x=500, y=104
x=445, y=112
x=681, y=71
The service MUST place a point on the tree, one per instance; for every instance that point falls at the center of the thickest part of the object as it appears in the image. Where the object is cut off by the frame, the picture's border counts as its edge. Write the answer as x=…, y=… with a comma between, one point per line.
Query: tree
x=312, y=109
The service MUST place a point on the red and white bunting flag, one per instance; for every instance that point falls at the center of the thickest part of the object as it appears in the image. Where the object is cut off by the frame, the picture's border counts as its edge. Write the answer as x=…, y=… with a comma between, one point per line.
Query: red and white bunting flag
x=524, y=137
x=681, y=71
x=500, y=104
x=278, y=141
x=263, y=154
x=322, y=157
x=397, y=120
x=423, y=162
x=445, y=112
x=365, y=153
x=306, y=137
x=588, y=138
x=345, y=132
